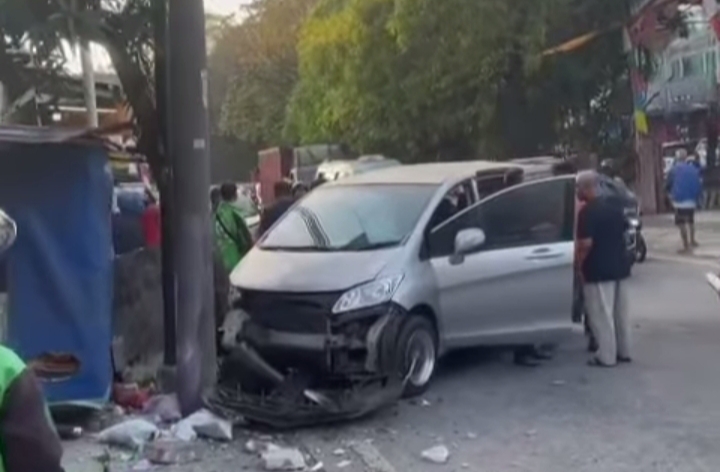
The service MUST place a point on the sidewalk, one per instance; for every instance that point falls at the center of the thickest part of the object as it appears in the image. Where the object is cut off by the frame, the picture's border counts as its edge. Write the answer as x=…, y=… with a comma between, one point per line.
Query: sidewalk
x=663, y=238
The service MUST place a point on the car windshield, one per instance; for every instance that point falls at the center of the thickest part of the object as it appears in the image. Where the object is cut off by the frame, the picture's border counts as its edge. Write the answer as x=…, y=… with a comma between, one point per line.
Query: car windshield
x=350, y=218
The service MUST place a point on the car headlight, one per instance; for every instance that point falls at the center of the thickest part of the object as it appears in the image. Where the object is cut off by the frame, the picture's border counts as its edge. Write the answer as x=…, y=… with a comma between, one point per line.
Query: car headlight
x=370, y=294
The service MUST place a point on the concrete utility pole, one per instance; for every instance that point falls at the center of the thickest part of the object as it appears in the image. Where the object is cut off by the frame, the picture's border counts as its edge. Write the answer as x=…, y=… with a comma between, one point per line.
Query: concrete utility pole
x=88, y=71
x=165, y=185
x=192, y=254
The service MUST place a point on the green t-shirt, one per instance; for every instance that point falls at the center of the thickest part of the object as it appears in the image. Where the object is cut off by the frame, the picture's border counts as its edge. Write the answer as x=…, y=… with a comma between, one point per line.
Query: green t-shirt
x=232, y=236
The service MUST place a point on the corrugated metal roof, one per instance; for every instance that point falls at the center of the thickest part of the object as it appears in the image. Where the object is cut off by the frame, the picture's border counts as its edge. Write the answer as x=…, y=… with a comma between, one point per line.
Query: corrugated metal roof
x=21, y=134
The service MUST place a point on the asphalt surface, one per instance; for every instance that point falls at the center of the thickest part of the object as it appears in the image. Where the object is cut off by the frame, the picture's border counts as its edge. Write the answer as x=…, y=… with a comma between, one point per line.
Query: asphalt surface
x=661, y=413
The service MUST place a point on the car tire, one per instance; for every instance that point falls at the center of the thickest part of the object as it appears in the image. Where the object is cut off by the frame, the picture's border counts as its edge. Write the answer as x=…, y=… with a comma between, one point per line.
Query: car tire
x=417, y=346
x=641, y=250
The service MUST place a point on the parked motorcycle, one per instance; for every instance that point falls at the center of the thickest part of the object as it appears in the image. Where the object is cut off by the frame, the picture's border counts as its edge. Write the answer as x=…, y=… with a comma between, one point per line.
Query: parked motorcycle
x=636, y=241
x=8, y=231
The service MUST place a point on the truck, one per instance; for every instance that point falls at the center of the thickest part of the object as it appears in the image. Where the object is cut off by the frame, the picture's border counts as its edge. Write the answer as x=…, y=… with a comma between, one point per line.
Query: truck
x=296, y=165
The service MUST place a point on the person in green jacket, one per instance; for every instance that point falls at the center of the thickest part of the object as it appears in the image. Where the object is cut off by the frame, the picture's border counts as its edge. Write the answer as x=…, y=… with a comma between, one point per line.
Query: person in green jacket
x=28, y=440
x=232, y=236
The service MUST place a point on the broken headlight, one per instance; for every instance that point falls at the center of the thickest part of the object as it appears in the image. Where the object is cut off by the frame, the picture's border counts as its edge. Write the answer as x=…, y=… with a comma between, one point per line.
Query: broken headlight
x=370, y=294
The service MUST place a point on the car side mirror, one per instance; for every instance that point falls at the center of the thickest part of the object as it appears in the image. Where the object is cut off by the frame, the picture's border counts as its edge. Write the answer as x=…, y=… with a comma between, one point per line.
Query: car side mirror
x=8, y=231
x=467, y=241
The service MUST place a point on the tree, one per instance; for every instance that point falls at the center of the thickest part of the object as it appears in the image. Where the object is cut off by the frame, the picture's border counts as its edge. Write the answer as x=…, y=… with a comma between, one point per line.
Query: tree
x=453, y=79
x=254, y=70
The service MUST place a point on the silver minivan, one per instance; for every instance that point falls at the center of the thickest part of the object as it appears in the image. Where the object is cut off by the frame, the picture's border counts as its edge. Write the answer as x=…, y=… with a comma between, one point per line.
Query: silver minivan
x=381, y=273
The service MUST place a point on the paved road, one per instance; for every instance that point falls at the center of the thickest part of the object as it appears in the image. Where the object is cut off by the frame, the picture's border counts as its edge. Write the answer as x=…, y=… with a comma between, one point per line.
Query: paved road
x=661, y=413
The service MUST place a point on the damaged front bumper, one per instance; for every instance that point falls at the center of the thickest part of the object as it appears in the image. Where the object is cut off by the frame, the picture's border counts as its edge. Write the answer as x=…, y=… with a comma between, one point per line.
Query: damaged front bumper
x=342, y=367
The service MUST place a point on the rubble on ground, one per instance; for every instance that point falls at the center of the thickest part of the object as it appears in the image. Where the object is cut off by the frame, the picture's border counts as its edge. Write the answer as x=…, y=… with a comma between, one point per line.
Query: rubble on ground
x=282, y=458
x=437, y=455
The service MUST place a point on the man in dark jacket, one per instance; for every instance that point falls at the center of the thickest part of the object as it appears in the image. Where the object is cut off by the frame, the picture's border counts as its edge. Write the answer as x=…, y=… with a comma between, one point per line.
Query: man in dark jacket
x=283, y=202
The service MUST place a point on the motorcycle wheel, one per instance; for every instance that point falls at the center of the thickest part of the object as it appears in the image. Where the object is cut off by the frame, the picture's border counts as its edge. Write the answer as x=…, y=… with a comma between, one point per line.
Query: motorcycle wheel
x=641, y=251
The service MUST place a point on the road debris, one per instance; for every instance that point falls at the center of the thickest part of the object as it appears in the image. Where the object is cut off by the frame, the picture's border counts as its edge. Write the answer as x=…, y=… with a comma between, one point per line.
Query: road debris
x=205, y=424
x=437, y=455
x=142, y=464
x=317, y=467
x=339, y=452
x=132, y=433
x=167, y=451
x=559, y=383
x=372, y=458
x=280, y=458
x=465, y=465
x=424, y=402
x=251, y=446
x=165, y=408
x=472, y=435
x=343, y=464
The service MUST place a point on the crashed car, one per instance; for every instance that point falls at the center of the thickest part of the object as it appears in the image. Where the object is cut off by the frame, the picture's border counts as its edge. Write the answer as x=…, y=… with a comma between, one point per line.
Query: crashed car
x=347, y=302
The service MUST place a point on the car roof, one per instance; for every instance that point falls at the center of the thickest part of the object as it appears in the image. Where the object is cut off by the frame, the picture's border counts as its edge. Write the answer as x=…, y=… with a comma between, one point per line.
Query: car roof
x=434, y=173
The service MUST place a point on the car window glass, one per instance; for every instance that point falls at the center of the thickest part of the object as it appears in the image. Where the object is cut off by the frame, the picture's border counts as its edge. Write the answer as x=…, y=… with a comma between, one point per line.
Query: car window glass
x=455, y=201
x=537, y=213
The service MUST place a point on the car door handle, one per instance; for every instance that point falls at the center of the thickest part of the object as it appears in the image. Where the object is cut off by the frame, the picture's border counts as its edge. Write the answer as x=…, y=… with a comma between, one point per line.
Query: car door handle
x=542, y=254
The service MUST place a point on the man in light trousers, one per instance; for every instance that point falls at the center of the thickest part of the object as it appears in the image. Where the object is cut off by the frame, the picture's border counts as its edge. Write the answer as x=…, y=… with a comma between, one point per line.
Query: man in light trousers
x=604, y=266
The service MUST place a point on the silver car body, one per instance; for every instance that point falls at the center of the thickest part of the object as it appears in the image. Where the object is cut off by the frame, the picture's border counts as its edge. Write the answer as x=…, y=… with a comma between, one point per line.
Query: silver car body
x=520, y=293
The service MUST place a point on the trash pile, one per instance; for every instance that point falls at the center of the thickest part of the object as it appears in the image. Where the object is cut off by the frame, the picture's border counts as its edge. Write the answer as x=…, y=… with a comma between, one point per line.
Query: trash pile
x=153, y=431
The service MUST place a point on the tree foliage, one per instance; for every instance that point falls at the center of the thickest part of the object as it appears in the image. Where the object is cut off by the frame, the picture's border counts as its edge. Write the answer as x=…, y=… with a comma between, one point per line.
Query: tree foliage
x=452, y=79
x=253, y=70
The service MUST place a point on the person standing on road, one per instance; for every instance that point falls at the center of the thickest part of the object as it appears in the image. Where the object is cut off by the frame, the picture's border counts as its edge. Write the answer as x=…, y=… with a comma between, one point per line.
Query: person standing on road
x=231, y=232
x=685, y=186
x=283, y=202
x=604, y=267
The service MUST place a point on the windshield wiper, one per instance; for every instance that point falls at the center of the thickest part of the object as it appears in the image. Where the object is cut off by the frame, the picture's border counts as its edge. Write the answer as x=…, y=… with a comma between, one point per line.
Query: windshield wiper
x=298, y=248
x=371, y=247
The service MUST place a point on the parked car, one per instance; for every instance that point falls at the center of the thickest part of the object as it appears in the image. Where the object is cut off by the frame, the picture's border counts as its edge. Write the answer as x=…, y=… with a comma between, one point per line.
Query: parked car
x=340, y=169
x=375, y=276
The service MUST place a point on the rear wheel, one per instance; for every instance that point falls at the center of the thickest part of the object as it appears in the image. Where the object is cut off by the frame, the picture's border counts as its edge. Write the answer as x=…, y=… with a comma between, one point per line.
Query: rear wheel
x=417, y=353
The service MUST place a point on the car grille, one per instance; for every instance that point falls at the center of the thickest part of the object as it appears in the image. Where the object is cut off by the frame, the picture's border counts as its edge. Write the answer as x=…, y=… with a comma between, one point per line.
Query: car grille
x=288, y=311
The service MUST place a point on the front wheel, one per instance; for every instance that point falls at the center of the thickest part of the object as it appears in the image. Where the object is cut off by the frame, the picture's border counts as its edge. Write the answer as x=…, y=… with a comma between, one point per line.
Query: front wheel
x=641, y=251
x=417, y=349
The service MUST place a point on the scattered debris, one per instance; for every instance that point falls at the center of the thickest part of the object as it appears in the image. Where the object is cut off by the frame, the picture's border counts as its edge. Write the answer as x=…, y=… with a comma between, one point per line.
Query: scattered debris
x=130, y=395
x=472, y=435
x=343, y=464
x=168, y=451
x=558, y=383
x=317, y=467
x=203, y=423
x=143, y=464
x=372, y=457
x=424, y=402
x=339, y=452
x=131, y=433
x=438, y=454
x=465, y=465
x=68, y=432
x=251, y=447
x=164, y=407
x=279, y=458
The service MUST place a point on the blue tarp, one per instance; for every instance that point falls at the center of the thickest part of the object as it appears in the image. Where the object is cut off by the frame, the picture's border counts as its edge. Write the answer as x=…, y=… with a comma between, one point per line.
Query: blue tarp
x=60, y=268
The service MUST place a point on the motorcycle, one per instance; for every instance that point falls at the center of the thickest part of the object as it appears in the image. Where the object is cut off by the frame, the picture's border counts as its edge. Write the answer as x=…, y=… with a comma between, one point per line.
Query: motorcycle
x=8, y=231
x=637, y=248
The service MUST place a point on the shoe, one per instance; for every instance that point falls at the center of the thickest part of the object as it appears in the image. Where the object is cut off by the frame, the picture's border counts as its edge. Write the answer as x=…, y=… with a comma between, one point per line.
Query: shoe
x=695, y=244
x=592, y=345
x=624, y=360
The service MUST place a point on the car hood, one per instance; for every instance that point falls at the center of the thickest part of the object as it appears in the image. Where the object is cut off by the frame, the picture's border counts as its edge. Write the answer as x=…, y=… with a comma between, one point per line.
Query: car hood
x=287, y=271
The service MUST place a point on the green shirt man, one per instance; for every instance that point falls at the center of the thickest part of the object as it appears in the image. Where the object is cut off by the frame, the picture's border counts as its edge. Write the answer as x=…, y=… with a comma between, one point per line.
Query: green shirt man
x=232, y=236
x=28, y=440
